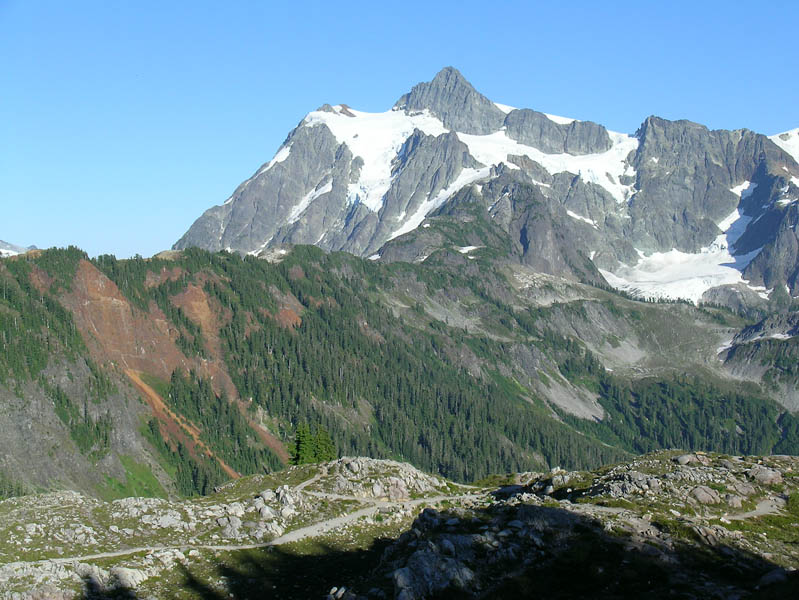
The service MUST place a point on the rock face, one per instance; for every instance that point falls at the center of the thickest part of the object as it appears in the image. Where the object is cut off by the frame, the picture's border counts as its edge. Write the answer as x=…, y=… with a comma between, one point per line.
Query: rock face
x=570, y=196
x=539, y=131
x=453, y=100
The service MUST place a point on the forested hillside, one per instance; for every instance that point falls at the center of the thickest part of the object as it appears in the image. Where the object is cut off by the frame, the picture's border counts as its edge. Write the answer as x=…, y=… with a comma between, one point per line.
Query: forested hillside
x=452, y=366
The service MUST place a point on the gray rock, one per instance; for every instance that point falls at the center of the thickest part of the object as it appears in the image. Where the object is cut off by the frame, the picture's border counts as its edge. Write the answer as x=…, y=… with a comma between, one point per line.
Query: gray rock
x=453, y=100
x=686, y=459
x=764, y=475
x=539, y=131
x=733, y=501
x=126, y=579
x=267, y=512
x=778, y=575
x=705, y=495
x=427, y=573
x=744, y=488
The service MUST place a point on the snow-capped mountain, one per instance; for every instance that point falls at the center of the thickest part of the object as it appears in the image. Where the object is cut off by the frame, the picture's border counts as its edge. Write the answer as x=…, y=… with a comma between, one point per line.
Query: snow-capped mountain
x=674, y=210
x=7, y=249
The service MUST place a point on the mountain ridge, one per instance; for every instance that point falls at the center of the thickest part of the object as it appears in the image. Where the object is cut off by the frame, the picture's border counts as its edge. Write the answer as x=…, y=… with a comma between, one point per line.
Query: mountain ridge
x=354, y=181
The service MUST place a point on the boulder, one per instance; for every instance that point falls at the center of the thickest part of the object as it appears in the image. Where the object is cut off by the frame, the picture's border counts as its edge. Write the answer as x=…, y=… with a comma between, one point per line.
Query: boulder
x=705, y=495
x=764, y=475
x=125, y=579
x=744, y=488
x=733, y=501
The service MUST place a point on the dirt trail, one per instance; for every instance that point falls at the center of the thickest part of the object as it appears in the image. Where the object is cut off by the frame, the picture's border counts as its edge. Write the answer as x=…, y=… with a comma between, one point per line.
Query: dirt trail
x=769, y=506
x=161, y=410
x=312, y=530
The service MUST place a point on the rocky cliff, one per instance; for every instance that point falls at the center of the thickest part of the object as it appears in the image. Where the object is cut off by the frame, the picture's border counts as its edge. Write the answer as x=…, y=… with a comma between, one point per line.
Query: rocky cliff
x=709, y=210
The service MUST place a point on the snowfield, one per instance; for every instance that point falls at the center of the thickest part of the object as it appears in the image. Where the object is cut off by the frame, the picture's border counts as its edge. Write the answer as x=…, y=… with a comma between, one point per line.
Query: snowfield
x=788, y=141
x=682, y=275
x=378, y=138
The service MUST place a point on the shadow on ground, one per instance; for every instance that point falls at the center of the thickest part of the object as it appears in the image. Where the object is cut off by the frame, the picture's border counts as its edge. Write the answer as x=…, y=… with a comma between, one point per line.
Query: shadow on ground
x=562, y=555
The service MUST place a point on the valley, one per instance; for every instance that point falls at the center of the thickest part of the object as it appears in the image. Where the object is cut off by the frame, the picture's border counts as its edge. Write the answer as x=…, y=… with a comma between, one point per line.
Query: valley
x=452, y=349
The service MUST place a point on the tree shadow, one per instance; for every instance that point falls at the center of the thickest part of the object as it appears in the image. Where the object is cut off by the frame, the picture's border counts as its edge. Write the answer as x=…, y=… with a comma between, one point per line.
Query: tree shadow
x=539, y=551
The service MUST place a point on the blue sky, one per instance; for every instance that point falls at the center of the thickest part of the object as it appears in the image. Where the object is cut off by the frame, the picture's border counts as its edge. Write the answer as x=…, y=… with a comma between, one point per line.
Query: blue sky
x=120, y=122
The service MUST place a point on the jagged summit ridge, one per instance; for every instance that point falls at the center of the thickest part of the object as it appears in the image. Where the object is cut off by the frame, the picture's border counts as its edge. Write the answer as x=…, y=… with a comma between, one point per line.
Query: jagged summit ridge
x=455, y=102
x=323, y=190
x=354, y=181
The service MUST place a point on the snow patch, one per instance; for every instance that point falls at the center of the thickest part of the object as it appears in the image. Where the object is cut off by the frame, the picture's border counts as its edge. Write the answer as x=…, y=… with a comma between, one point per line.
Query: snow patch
x=744, y=190
x=261, y=248
x=465, y=177
x=788, y=141
x=376, y=138
x=591, y=222
x=374, y=257
x=504, y=107
x=559, y=120
x=494, y=148
x=425, y=225
x=297, y=211
x=281, y=155
x=467, y=249
x=682, y=275
x=780, y=336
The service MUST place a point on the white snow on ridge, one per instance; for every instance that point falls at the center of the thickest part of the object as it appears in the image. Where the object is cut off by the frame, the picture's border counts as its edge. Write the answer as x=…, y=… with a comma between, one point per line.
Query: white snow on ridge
x=603, y=169
x=281, y=155
x=376, y=138
x=790, y=144
x=591, y=222
x=306, y=201
x=465, y=177
x=681, y=275
x=559, y=120
x=7, y=249
x=504, y=107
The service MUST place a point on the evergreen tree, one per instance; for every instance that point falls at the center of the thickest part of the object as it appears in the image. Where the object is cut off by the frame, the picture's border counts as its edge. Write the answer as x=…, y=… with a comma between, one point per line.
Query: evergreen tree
x=325, y=450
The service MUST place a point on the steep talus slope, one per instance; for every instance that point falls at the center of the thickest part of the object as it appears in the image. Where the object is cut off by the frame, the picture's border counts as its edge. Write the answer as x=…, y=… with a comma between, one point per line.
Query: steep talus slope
x=117, y=332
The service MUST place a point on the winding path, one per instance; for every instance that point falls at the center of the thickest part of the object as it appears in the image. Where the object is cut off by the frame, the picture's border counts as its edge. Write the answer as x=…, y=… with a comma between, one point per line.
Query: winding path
x=313, y=530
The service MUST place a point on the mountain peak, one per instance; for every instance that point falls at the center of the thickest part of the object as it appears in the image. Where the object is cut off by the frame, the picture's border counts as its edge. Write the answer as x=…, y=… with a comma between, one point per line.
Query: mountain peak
x=451, y=98
x=448, y=74
x=7, y=249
